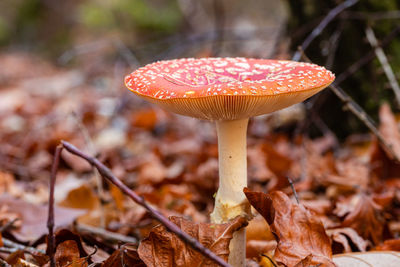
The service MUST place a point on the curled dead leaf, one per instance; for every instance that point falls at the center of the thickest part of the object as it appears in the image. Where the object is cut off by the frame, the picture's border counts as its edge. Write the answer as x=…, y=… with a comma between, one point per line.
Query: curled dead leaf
x=164, y=249
x=365, y=217
x=126, y=255
x=301, y=236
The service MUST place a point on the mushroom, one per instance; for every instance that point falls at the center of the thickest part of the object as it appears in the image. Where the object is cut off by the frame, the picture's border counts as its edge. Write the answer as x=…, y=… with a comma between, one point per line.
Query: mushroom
x=228, y=91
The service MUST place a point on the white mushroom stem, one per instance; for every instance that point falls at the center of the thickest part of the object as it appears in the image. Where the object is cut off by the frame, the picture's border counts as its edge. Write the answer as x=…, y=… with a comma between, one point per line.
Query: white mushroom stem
x=230, y=200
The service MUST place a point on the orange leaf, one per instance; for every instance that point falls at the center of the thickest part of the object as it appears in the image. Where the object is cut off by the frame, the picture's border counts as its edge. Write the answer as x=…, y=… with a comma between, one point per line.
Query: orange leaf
x=66, y=253
x=163, y=248
x=301, y=236
x=391, y=244
x=126, y=255
x=365, y=218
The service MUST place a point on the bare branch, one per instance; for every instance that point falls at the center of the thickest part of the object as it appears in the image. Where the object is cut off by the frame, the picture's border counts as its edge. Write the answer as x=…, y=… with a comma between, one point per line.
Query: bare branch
x=105, y=234
x=293, y=189
x=351, y=105
x=366, y=58
x=321, y=26
x=11, y=244
x=50, y=220
x=380, y=54
x=381, y=15
x=107, y=174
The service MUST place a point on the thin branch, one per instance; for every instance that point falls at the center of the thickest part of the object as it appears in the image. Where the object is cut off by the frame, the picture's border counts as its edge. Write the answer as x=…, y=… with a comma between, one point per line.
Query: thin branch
x=317, y=31
x=366, y=58
x=11, y=244
x=8, y=225
x=107, y=174
x=351, y=105
x=293, y=189
x=380, y=54
x=392, y=14
x=105, y=234
x=50, y=220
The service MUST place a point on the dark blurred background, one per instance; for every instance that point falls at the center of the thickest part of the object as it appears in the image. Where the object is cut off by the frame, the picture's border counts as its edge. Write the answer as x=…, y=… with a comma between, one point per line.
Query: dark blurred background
x=102, y=37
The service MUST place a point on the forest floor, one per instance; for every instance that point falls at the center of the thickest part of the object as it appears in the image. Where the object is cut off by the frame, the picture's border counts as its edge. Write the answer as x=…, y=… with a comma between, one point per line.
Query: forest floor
x=348, y=192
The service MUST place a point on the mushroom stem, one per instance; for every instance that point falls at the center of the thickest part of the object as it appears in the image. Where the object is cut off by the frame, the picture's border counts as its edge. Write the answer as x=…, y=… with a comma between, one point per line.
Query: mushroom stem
x=230, y=200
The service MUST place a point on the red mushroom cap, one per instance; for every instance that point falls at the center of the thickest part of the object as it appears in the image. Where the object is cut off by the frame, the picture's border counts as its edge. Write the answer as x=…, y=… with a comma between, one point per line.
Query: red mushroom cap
x=227, y=88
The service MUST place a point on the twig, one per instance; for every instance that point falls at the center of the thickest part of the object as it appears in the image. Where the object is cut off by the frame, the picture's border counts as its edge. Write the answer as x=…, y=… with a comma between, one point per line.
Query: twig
x=8, y=250
x=11, y=244
x=333, y=45
x=293, y=189
x=392, y=14
x=317, y=31
x=363, y=116
x=351, y=105
x=105, y=234
x=50, y=220
x=366, y=58
x=107, y=174
x=8, y=225
x=380, y=54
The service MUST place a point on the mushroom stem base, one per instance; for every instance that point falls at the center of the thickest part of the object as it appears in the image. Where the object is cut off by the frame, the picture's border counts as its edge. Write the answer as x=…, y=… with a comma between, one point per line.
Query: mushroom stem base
x=230, y=200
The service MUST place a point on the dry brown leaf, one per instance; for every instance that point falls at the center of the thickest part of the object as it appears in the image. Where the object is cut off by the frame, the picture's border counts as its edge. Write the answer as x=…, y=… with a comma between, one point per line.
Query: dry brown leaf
x=391, y=244
x=146, y=119
x=23, y=263
x=164, y=249
x=365, y=218
x=258, y=170
x=368, y=259
x=299, y=233
x=254, y=248
x=279, y=164
x=66, y=253
x=118, y=197
x=64, y=235
x=383, y=166
x=15, y=256
x=82, y=197
x=344, y=236
x=262, y=203
x=126, y=255
x=34, y=217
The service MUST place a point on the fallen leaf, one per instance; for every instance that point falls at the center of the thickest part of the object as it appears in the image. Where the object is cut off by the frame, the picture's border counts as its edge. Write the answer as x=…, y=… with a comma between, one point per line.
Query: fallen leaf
x=382, y=163
x=146, y=119
x=23, y=263
x=126, y=255
x=347, y=237
x=299, y=233
x=391, y=244
x=82, y=197
x=34, y=217
x=64, y=235
x=66, y=253
x=364, y=216
x=163, y=248
x=15, y=256
x=368, y=259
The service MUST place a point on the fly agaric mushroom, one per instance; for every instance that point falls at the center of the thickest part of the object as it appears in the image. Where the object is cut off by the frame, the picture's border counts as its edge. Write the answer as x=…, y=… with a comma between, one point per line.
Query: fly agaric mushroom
x=228, y=91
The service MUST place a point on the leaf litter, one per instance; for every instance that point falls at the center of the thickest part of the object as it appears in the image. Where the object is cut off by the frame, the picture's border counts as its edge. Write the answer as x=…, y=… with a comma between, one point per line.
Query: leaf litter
x=348, y=194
